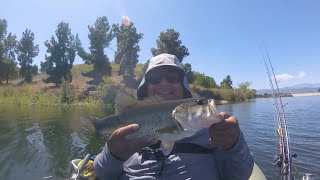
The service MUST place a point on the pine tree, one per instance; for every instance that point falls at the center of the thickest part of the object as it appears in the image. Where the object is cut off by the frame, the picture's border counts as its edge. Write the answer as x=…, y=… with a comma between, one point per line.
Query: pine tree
x=60, y=55
x=27, y=50
x=226, y=83
x=127, y=51
x=100, y=36
x=8, y=43
x=169, y=42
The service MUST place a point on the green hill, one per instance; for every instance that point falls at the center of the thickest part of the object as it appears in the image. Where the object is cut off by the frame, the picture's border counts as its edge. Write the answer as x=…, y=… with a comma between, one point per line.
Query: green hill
x=77, y=92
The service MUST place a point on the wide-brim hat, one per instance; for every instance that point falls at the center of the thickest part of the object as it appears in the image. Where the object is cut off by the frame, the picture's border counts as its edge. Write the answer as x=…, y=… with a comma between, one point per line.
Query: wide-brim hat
x=163, y=60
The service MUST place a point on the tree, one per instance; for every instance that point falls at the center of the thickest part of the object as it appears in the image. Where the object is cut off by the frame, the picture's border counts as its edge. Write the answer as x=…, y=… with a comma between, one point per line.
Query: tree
x=100, y=36
x=3, y=33
x=168, y=42
x=204, y=81
x=8, y=66
x=34, y=69
x=226, y=83
x=189, y=73
x=27, y=50
x=8, y=70
x=60, y=55
x=244, y=89
x=143, y=71
x=127, y=51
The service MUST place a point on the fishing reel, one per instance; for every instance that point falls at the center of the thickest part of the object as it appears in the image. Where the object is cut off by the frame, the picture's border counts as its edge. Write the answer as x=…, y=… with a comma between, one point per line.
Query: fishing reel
x=309, y=176
x=148, y=154
x=277, y=160
x=152, y=153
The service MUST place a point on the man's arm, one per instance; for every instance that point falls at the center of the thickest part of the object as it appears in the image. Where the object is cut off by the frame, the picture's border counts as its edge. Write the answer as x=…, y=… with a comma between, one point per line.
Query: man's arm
x=107, y=166
x=235, y=163
x=118, y=149
x=233, y=157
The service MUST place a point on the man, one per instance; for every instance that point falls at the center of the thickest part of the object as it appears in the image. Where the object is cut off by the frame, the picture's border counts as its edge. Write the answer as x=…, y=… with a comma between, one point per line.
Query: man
x=219, y=152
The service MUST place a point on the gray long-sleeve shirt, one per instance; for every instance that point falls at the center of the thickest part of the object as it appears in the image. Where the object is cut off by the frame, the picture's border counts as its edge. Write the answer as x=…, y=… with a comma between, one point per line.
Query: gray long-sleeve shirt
x=236, y=163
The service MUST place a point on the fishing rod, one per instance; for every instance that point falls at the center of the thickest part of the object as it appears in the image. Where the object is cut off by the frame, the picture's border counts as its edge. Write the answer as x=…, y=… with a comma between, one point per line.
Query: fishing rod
x=284, y=159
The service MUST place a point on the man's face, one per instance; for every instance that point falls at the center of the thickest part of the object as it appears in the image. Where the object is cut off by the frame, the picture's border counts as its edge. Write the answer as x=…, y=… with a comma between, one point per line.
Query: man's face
x=166, y=83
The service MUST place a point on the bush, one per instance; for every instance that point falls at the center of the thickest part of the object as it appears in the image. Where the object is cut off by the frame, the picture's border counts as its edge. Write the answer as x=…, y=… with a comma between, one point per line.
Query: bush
x=67, y=95
x=228, y=94
x=108, y=91
x=232, y=95
x=206, y=92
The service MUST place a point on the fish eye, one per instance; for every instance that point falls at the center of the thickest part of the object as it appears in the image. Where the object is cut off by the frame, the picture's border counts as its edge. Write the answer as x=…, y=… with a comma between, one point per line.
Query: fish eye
x=200, y=101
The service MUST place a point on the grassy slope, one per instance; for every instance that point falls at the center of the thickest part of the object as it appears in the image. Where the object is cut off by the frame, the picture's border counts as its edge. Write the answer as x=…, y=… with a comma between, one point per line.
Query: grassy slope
x=79, y=82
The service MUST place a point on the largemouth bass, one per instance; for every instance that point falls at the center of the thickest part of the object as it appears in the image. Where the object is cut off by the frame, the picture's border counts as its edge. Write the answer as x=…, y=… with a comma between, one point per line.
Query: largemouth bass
x=167, y=121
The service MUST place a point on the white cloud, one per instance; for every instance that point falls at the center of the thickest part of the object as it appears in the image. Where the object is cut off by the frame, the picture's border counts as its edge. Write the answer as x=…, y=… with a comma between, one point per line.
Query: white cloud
x=302, y=75
x=284, y=77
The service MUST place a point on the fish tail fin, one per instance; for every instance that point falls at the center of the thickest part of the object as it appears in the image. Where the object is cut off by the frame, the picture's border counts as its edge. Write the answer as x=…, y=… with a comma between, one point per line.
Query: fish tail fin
x=89, y=120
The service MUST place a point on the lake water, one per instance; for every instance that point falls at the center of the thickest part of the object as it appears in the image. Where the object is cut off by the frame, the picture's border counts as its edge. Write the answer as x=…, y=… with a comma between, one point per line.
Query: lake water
x=37, y=142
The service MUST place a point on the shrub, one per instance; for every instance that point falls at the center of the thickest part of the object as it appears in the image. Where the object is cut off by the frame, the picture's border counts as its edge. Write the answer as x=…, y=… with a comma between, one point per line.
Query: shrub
x=206, y=92
x=67, y=95
x=108, y=91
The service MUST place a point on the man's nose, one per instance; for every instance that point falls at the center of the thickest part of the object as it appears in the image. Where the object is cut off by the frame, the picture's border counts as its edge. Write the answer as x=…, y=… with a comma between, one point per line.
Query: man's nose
x=163, y=81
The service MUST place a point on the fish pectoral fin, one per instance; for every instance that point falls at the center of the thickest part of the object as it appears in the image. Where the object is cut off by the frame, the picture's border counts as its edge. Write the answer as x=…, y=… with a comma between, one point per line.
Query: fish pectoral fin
x=92, y=125
x=88, y=122
x=166, y=147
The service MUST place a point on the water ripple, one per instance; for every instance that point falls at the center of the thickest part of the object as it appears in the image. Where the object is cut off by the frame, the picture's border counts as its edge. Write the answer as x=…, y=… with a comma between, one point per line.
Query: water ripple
x=38, y=142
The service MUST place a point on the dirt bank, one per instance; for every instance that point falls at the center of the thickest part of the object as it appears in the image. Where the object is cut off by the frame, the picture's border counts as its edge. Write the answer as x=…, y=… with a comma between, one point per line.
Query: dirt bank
x=306, y=94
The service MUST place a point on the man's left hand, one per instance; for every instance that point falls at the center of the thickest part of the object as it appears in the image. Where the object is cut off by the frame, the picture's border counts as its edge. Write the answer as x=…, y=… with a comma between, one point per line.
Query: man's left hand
x=225, y=134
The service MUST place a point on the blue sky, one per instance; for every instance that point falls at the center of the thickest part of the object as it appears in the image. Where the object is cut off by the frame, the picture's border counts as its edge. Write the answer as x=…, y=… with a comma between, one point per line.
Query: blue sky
x=223, y=37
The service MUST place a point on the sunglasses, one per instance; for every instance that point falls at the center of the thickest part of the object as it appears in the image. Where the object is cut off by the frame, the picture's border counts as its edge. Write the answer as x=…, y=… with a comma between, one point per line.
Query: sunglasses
x=156, y=78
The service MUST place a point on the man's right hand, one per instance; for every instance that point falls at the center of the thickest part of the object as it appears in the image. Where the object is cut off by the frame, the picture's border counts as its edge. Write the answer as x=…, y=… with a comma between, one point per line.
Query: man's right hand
x=123, y=148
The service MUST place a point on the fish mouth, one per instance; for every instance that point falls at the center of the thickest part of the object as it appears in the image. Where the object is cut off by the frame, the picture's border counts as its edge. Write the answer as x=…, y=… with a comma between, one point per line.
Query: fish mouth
x=164, y=92
x=179, y=126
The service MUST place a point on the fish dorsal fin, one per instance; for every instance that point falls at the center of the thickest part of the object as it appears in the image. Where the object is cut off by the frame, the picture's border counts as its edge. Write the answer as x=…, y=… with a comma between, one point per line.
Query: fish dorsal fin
x=151, y=99
x=122, y=101
x=166, y=147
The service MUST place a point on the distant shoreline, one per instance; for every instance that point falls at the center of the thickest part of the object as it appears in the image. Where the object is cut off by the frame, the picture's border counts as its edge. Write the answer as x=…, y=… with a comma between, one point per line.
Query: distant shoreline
x=306, y=94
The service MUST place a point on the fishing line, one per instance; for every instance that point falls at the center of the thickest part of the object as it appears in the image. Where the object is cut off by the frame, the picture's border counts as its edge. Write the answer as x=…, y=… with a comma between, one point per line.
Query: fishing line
x=288, y=153
x=284, y=159
x=278, y=117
